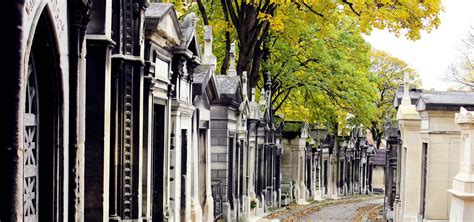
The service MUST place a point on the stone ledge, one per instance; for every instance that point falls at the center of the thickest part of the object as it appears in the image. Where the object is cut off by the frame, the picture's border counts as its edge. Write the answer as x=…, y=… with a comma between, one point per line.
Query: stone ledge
x=407, y=113
x=461, y=195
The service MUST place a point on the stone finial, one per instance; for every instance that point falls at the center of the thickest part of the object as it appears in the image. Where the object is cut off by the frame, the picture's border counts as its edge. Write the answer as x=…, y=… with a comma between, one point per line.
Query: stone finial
x=262, y=105
x=262, y=97
x=268, y=83
x=189, y=20
x=406, y=95
x=252, y=98
x=464, y=116
x=253, y=106
x=268, y=86
x=208, y=40
x=208, y=57
x=231, y=70
x=406, y=110
x=244, y=84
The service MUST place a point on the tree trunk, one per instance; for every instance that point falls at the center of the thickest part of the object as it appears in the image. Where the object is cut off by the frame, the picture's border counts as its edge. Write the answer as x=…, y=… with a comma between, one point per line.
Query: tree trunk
x=202, y=9
x=376, y=135
x=225, y=61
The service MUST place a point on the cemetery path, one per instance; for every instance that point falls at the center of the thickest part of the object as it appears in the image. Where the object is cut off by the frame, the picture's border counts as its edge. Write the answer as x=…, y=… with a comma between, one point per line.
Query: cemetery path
x=356, y=208
x=356, y=211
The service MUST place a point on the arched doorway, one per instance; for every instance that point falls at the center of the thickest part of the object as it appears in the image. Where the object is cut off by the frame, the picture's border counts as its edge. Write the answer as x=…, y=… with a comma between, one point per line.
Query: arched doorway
x=42, y=118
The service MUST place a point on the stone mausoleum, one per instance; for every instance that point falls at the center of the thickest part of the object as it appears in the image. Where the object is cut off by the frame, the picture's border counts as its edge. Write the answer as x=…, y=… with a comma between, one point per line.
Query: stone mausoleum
x=116, y=113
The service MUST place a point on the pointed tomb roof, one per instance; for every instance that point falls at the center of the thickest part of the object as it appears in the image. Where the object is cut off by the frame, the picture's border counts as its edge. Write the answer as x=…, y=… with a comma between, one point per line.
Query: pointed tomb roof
x=162, y=25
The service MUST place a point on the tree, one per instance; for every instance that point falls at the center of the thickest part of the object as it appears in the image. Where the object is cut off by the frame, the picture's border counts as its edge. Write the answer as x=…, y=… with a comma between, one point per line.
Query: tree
x=389, y=72
x=252, y=20
x=320, y=72
x=463, y=71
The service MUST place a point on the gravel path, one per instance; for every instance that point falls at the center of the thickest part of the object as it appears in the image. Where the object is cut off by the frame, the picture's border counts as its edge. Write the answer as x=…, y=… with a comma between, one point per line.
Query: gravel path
x=340, y=212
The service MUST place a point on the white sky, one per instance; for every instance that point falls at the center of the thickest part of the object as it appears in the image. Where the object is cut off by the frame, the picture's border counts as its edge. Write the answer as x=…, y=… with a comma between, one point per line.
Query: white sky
x=431, y=55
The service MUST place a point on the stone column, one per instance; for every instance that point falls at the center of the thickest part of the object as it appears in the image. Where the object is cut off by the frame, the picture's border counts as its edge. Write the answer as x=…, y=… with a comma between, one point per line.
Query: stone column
x=208, y=58
x=97, y=142
x=209, y=206
x=319, y=171
x=196, y=209
x=397, y=202
x=252, y=127
x=333, y=176
x=409, y=124
x=301, y=194
x=186, y=124
x=462, y=199
x=174, y=167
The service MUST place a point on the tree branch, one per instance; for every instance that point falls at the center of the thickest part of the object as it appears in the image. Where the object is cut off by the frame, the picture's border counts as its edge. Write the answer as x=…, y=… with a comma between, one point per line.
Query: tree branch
x=351, y=5
x=225, y=61
x=282, y=101
x=311, y=9
x=231, y=12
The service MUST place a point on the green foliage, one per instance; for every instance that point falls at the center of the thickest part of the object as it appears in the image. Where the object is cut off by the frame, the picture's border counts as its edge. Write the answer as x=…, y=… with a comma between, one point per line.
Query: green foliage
x=389, y=72
x=320, y=72
x=253, y=204
x=219, y=27
x=320, y=64
x=294, y=127
x=249, y=22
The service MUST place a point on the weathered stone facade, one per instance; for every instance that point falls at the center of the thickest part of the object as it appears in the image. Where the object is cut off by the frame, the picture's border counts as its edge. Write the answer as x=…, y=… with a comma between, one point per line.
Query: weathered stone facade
x=115, y=114
x=423, y=164
x=316, y=165
x=42, y=148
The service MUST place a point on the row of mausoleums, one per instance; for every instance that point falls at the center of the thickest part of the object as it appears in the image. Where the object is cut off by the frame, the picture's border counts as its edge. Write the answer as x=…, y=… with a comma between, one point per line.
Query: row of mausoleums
x=316, y=165
x=430, y=157
x=114, y=113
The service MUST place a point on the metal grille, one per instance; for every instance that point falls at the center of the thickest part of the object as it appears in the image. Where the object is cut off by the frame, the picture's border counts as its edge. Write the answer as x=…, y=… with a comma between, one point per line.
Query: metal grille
x=218, y=199
x=30, y=152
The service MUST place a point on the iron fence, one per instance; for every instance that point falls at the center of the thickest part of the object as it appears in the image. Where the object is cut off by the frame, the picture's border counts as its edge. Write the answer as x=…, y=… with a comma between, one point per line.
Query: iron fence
x=218, y=198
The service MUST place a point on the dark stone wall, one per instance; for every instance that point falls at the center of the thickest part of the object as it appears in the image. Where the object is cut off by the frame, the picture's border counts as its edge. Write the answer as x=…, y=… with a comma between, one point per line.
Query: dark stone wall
x=10, y=85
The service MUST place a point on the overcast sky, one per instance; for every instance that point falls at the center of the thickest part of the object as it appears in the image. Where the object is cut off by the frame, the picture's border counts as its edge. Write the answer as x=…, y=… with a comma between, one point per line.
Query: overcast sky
x=432, y=54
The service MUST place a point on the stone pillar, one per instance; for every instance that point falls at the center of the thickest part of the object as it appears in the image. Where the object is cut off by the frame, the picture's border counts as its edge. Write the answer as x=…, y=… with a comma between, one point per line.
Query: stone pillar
x=97, y=152
x=208, y=58
x=186, y=124
x=409, y=124
x=301, y=192
x=333, y=162
x=397, y=202
x=462, y=199
x=252, y=154
x=209, y=205
x=363, y=175
x=174, y=167
x=196, y=209
x=319, y=171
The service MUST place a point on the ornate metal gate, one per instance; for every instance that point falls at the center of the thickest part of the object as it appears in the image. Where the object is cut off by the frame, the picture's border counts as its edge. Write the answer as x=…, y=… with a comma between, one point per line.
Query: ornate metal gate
x=30, y=158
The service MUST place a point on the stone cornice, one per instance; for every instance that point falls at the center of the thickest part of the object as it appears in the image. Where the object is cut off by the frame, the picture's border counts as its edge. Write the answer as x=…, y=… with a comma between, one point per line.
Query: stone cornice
x=186, y=110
